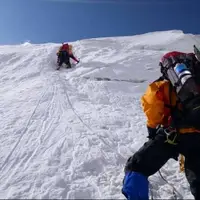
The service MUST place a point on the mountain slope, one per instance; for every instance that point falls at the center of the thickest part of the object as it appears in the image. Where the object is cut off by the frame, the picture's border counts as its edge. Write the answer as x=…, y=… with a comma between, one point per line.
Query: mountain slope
x=68, y=133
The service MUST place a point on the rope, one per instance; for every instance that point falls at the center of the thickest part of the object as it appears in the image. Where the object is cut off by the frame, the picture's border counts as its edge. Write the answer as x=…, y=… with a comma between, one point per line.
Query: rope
x=23, y=132
x=174, y=190
x=151, y=191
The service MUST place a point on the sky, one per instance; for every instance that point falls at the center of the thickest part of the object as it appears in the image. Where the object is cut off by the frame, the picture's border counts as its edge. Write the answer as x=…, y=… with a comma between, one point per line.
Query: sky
x=43, y=21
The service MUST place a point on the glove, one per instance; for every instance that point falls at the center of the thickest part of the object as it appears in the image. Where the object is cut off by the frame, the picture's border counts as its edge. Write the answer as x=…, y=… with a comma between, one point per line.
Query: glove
x=135, y=186
x=175, y=156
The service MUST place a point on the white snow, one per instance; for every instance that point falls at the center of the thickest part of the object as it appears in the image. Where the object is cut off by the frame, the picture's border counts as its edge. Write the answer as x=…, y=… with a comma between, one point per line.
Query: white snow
x=67, y=134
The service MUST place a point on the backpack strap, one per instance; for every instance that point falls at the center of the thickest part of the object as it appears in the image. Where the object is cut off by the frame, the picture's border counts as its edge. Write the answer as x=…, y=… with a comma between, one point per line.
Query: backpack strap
x=173, y=109
x=176, y=113
x=161, y=78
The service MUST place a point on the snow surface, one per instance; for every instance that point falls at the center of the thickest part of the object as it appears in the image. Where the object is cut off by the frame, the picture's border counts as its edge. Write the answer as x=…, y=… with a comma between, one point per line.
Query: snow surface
x=68, y=133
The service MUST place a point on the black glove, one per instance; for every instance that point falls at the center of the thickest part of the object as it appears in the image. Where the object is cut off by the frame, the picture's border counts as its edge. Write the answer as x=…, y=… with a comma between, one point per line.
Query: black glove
x=175, y=156
x=152, y=132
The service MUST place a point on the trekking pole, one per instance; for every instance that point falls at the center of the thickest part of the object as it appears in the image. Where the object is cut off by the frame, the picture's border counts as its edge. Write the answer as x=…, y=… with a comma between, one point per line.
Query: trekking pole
x=194, y=39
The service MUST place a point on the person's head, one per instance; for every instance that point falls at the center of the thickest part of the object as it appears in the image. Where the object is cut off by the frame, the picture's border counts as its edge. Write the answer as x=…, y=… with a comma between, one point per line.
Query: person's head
x=170, y=60
x=65, y=43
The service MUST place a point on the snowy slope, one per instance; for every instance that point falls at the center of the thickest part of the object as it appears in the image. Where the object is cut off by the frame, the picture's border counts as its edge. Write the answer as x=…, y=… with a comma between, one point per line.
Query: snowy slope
x=68, y=133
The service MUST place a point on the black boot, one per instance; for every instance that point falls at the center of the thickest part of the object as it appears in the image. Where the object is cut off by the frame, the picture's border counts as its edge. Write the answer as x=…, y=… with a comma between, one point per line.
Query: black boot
x=68, y=65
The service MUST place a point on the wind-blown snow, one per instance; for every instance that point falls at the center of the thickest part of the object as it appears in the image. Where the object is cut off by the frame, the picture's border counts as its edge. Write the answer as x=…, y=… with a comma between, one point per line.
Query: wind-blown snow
x=68, y=133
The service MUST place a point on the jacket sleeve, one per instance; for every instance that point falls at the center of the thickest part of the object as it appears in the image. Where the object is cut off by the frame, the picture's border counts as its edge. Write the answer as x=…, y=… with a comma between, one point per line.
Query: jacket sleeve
x=151, y=132
x=153, y=105
x=73, y=57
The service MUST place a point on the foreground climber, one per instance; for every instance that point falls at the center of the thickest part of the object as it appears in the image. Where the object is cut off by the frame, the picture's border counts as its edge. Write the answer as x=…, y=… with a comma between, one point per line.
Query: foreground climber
x=172, y=107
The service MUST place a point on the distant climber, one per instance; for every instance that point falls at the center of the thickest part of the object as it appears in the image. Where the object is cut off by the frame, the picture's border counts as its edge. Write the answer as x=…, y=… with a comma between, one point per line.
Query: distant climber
x=64, y=54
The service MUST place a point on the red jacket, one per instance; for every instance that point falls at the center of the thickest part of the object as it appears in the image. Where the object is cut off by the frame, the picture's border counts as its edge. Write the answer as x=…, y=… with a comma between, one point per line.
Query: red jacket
x=64, y=47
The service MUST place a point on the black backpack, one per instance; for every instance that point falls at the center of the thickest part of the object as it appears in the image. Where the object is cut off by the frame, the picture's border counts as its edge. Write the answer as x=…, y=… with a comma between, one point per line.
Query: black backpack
x=183, y=72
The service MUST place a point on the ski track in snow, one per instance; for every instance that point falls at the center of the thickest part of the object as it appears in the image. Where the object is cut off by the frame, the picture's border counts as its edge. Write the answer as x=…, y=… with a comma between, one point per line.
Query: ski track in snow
x=67, y=134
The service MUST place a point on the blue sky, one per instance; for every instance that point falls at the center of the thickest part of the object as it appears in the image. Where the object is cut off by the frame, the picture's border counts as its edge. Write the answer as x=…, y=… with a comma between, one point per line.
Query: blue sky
x=41, y=21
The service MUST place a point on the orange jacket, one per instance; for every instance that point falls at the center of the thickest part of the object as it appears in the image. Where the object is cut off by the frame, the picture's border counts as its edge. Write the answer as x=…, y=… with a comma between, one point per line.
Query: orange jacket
x=156, y=102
